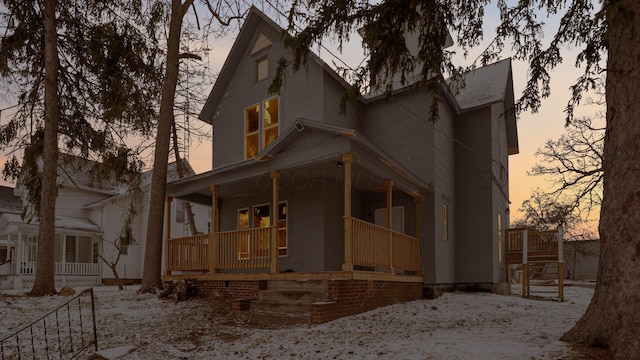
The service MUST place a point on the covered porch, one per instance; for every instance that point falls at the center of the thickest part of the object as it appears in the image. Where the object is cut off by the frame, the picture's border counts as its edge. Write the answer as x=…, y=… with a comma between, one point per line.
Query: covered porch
x=342, y=201
x=76, y=246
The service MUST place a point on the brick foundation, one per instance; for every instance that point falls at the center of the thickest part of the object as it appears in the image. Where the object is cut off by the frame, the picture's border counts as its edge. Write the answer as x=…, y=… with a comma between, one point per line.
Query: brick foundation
x=344, y=297
x=350, y=297
x=231, y=289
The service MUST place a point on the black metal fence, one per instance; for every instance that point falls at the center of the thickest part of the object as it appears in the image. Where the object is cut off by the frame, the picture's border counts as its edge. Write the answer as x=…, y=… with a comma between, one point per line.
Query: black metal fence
x=63, y=333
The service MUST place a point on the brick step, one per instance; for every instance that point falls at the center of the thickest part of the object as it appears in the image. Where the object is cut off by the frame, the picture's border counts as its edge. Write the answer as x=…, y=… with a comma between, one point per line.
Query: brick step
x=307, y=285
x=281, y=307
x=292, y=296
x=270, y=318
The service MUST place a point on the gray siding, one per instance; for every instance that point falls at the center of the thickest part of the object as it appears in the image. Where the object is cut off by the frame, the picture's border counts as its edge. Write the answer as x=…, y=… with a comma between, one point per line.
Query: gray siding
x=444, y=192
x=302, y=96
x=334, y=226
x=500, y=189
x=71, y=201
x=474, y=215
x=333, y=93
x=401, y=128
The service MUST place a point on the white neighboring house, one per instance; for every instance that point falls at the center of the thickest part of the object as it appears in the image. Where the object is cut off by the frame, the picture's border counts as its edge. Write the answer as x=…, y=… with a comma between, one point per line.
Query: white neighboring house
x=90, y=216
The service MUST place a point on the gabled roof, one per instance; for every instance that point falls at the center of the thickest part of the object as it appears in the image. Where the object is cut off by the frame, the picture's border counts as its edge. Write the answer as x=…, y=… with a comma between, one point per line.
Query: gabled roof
x=9, y=203
x=145, y=183
x=255, y=17
x=485, y=85
x=80, y=173
x=488, y=85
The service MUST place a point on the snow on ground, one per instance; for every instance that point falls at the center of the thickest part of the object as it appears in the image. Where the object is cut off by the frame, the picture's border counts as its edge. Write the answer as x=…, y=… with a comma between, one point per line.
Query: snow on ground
x=454, y=326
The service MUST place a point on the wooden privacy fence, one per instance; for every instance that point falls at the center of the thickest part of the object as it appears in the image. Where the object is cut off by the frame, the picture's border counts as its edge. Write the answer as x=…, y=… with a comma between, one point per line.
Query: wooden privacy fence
x=378, y=247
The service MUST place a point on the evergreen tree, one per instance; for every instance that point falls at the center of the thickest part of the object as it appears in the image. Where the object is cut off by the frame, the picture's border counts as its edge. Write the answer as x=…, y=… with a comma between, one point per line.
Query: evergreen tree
x=606, y=34
x=96, y=62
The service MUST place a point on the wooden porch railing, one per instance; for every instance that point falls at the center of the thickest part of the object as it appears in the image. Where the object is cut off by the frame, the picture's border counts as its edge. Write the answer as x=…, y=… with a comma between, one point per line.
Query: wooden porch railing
x=243, y=249
x=188, y=253
x=379, y=247
x=373, y=246
x=61, y=268
x=238, y=249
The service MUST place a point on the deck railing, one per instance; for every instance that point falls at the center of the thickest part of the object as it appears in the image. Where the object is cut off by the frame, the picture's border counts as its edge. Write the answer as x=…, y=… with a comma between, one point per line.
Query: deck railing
x=378, y=247
x=372, y=247
x=537, y=241
x=61, y=268
x=188, y=253
x=243, y=249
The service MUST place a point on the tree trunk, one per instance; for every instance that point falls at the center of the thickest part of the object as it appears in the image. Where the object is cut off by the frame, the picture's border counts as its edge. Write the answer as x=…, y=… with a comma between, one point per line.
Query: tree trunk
x=45, y=270
x=613, y=317
x=152, y=271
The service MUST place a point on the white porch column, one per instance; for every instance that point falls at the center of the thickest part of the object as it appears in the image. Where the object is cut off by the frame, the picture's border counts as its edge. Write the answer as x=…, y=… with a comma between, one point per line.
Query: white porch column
x=19, y=253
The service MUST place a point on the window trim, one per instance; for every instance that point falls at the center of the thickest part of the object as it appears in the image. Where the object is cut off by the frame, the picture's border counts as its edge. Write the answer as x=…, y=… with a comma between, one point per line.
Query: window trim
x=260, y=60
x=445, y=221
x=251, y=222
x=261, y=131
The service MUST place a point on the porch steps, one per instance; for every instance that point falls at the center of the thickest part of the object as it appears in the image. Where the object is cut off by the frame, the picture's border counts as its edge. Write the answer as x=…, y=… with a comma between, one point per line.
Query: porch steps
x=288, y=302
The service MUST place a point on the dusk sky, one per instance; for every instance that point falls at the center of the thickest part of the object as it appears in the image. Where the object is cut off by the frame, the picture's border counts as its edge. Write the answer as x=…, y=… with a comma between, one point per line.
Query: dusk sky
x=533, y=129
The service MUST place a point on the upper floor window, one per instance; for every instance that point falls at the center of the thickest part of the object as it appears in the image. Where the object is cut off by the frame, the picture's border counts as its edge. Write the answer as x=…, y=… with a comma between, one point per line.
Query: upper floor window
x=261, y=126
x=262, y=68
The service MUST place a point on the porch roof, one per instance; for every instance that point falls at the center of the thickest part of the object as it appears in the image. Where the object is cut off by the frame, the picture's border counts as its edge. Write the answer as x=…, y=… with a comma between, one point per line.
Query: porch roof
x=318, y=156
x=15, y=222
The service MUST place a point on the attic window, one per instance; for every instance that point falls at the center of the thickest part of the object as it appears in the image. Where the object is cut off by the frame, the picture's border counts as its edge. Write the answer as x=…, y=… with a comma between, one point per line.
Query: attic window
x=262, y=68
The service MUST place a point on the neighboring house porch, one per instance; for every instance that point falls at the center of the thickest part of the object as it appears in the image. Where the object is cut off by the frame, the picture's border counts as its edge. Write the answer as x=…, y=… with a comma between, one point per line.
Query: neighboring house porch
x=77, y=242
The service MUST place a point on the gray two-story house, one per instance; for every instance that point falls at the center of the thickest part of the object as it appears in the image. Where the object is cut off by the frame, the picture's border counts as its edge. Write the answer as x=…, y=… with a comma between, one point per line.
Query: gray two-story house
x=377, y=204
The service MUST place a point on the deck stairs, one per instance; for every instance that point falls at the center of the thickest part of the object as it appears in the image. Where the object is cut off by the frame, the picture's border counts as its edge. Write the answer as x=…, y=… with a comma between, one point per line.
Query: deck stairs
x=288, y=301
x=540, y=256
x=543, y=277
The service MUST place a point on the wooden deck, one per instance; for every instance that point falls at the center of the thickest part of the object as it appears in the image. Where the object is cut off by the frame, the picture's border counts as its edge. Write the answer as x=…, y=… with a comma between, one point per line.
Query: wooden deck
x=538, y=252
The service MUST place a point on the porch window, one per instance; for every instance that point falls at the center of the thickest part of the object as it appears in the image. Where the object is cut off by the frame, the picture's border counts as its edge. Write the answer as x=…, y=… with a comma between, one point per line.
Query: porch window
x=262, y=219
x=96, y=252
x=180, y=212
x=70, y=249
x=32, y=248
x=397, y=218
x=260, y=126
x=243, y=242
